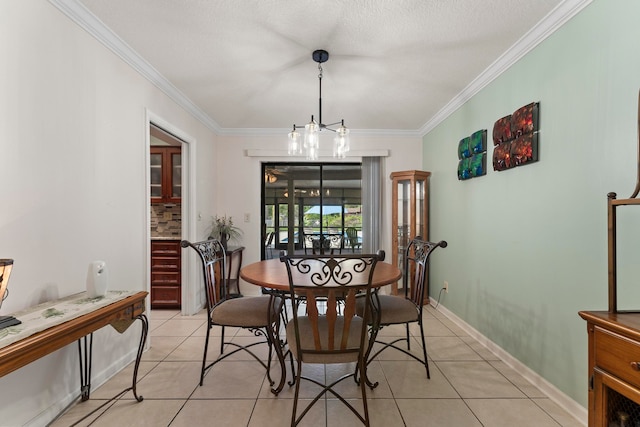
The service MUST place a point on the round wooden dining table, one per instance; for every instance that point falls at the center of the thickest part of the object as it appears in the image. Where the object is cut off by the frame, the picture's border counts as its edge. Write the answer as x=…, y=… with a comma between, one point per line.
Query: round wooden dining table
x=272, y=273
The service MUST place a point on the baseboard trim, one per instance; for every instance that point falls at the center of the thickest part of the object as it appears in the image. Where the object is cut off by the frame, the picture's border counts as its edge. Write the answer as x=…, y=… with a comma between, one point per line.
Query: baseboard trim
x=568, y=404
x=50, y=414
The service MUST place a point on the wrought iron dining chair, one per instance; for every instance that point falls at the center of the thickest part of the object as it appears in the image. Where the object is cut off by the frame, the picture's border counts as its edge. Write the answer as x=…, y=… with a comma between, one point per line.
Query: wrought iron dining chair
x=332, y=243
x=319, y=332
x=321, y=244
x=309, y=243
x=259, y=314
x=405, y=309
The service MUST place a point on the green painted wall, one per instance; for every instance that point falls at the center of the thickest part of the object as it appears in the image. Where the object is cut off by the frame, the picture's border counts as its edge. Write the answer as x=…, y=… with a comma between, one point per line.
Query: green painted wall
x=527, y=246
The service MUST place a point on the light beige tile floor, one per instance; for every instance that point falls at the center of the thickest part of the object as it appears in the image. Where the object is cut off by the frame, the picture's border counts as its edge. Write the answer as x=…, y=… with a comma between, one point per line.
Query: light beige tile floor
x=469, y=386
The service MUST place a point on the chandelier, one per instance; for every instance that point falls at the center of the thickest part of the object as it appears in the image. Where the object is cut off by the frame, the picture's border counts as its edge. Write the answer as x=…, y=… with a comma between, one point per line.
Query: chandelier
x=312, y=129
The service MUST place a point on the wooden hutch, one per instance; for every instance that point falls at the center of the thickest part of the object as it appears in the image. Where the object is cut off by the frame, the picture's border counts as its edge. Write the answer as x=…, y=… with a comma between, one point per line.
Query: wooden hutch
x=614, y=340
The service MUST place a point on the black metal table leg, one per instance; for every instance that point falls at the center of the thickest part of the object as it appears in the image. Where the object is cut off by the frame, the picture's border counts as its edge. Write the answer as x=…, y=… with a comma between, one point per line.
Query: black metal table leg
x=85, y=346
x=85, y=369
x=143, y=340
x=273, y=335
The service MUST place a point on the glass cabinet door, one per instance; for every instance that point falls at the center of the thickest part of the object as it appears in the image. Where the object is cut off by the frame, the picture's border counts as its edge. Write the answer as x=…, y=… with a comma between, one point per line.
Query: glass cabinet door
x=165, y=174
x=176, y=175
x=421, y=207
x=409, y=215
x=403, y=225
x=165, y=151
x=156, y=175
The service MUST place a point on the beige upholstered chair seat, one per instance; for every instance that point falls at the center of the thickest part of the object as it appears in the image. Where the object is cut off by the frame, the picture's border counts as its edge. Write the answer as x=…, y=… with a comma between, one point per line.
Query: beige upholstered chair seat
x=393, y=309
x=307, y=341
x=407, y=308
x=259, y=314
x=245, y=312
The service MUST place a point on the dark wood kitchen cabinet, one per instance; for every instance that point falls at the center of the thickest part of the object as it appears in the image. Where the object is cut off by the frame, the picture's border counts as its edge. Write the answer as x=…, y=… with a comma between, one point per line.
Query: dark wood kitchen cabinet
x=166, y=286
x=165, y=174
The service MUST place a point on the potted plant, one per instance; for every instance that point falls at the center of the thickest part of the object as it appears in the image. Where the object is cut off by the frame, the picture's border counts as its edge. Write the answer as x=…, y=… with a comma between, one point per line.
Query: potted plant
x=223, y=229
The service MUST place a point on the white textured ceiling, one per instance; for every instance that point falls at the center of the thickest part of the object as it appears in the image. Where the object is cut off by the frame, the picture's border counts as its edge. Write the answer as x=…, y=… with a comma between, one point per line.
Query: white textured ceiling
x=394, y=64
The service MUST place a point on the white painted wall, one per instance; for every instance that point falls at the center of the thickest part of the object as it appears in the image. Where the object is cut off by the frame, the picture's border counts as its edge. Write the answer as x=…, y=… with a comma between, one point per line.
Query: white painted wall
x=72, y=171
x=72, y=167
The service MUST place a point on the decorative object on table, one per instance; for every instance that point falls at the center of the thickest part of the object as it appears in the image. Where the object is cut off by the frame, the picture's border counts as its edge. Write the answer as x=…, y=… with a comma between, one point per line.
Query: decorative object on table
x=515, y=138
x=224, y=230
x=97, y=279
x=472, y=155
x=6, y=265
x=312, y=129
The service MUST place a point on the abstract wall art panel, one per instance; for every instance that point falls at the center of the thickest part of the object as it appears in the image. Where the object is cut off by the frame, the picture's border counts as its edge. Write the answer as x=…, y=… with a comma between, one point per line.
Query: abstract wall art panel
x=524, y=120
x=464, y=169
x=478, y=142
x=502, y=130
x=472, y=155
x=478, y=164
x=502, y=156
x=463, y=148
x=524, y=149
x=521, y=146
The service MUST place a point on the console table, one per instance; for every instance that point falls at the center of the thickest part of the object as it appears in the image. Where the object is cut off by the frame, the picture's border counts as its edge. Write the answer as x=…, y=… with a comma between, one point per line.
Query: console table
x=50, y=326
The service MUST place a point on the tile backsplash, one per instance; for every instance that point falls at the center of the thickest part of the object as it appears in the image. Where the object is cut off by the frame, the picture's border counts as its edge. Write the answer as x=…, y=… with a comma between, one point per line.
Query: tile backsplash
x=166, y=220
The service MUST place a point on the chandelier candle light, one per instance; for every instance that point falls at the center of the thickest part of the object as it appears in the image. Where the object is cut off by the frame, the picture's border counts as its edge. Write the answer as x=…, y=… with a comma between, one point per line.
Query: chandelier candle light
x=312, y=129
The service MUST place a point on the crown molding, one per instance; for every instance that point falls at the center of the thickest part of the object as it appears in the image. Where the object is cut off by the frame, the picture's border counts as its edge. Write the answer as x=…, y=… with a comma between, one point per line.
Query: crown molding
x=79, y=14
x=547, y=26
x=536, y=35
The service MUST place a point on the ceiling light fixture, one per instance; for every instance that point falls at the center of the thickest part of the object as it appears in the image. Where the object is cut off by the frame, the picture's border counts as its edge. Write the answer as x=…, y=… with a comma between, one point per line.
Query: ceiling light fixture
x=312, y=129
x=270, y=177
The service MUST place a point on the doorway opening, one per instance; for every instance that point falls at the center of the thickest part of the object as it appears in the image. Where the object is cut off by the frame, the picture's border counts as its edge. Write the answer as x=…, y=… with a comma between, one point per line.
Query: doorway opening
x=311, y=208
x=165, y=187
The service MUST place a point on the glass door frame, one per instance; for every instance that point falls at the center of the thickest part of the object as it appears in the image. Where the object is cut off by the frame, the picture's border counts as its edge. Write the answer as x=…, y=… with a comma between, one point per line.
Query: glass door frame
x=295, y=223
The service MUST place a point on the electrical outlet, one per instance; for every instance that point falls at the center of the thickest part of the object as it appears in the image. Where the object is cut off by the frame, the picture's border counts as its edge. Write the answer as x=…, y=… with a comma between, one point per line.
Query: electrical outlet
x=446, y=287
x=247, y=217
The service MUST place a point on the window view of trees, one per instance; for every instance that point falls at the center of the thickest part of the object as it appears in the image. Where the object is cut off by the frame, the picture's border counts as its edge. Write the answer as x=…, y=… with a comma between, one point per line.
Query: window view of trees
x=325, y=201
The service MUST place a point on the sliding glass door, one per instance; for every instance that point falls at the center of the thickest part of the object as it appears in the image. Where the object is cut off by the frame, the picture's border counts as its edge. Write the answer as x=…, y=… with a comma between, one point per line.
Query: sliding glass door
x=311, y=208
